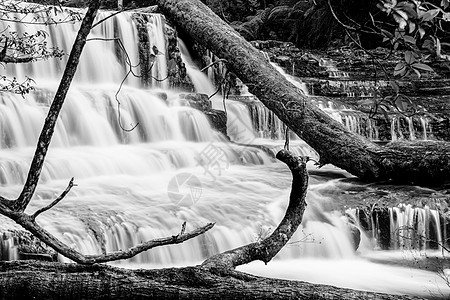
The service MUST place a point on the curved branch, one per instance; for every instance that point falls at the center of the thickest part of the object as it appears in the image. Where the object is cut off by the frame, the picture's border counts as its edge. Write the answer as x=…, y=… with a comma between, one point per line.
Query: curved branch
x=269, y=247
x=63, y=194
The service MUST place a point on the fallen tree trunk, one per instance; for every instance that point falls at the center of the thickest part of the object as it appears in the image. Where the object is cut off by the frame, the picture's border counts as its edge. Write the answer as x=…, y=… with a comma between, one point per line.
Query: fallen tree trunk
x=40, y=280
x=334, y=143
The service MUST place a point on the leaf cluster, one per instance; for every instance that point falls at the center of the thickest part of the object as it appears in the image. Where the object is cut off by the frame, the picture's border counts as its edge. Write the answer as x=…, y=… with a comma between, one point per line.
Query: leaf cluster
x=418, y=30
x=29, y=46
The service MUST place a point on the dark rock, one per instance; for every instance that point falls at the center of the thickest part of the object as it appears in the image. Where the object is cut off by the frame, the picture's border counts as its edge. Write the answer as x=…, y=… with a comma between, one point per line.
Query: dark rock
x=162, y=96
x=218, y=120
x=176, y=67
x=356, y=235
x=197, y=100
x=21, y=244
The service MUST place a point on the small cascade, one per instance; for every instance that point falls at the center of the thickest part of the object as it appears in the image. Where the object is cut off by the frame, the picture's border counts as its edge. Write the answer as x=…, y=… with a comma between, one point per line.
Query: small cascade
x=200, y=80
x=409, y=128
x=265, y=123
x=106, y=67
x=158, y=65
x=96, y=216
x=404, y=227
x=8, y=248
x=292, y=79
x=331, y=68
x=348, y=88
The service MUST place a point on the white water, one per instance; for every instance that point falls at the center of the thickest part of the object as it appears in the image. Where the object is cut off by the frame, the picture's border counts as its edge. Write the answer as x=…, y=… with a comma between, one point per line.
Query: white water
x=124, y=189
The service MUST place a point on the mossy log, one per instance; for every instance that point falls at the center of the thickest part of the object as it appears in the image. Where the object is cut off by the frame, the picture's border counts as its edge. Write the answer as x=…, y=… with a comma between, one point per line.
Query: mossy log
x=42, y=280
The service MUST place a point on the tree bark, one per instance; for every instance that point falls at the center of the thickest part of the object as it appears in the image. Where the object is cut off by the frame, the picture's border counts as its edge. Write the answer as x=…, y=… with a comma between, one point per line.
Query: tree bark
x=334, y=143
x=41, y=280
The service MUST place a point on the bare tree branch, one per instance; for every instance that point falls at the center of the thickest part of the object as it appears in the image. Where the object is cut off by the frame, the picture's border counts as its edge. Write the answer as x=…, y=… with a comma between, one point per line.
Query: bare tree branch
x=28, y=222
x=266, y=249
x=61, y=197
x=50, y=122
x=175, y=239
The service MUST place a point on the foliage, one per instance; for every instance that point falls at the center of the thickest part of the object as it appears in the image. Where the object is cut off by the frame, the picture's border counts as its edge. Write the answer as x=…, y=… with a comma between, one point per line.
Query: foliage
x=28, y=46
x=237, y=10
x=420, y=27
x=32, y=13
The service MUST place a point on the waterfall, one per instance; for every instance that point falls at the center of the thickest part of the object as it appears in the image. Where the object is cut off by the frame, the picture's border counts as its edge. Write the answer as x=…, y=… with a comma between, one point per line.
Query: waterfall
x=403, y=227
x=200, y=80
x=128, y=188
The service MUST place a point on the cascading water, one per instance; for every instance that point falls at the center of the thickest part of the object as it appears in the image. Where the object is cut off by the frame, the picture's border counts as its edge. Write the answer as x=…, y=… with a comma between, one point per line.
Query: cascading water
x=127, y=189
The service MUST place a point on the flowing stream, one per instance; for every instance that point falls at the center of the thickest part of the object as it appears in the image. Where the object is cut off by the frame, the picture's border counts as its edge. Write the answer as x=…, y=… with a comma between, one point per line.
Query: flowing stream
x=174, y=167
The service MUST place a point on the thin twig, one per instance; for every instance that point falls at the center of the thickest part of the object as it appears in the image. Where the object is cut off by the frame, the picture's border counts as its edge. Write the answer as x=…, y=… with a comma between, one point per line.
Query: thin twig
x=57, y=200
x=213, y=63
x=342, y=24
x=286, y=143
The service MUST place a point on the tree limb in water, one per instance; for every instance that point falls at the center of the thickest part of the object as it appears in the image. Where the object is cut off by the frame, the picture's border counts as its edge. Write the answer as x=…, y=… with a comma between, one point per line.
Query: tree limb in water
x=266, y=249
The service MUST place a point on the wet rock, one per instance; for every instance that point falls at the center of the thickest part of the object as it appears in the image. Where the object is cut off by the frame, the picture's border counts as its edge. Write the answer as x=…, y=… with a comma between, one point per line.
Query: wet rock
x=197, y=100
x=356, y=235
x=20, y=244
x=218, y=120
x=176, y=68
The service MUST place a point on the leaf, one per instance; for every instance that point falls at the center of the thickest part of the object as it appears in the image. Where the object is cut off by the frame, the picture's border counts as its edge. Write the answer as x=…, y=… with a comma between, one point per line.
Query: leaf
x=423, y=67
x=417, y=72
x=409, y=39
x=421, y=32
x=400, y=69
x=385, y=113
x=428, y=44
x=438, y=47
x=444, y=3
x=387, y=34
x=400, y=20
x=402, y=14
x=395, y=86
x=411, y=26
x=410, y=57
x=409, y=8
x=400, y=104
x=430, y=14
x=446, y=16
